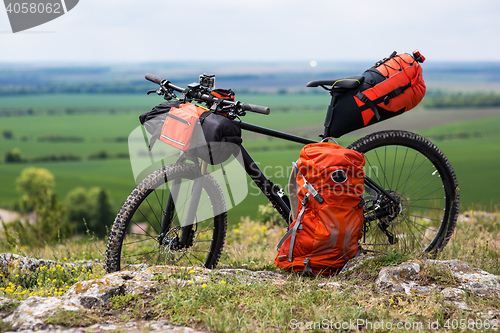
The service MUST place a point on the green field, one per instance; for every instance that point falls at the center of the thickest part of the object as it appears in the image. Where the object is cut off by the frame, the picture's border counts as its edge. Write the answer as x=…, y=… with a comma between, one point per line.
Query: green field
x=470, y=144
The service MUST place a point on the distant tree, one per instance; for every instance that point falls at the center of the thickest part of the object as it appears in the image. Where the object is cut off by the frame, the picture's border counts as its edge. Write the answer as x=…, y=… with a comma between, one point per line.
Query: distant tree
x=36, y=184
x=7, y=134
x=44, y=222
x=100, y=155
x=102, y=214
x=77, y=209
x=89, y=210
x=13, y=156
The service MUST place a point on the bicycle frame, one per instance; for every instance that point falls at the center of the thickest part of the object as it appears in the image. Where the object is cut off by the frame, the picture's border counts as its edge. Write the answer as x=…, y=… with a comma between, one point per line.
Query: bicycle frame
x=279, y=199
x=273, y=192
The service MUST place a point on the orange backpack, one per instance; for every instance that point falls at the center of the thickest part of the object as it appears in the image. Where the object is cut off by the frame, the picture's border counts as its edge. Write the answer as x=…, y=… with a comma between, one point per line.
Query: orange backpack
x=327, y=227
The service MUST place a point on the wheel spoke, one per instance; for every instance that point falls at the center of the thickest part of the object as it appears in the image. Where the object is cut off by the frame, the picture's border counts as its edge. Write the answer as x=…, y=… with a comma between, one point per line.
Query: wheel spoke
x=418, y=175
x=139, y=245
x=402, y=167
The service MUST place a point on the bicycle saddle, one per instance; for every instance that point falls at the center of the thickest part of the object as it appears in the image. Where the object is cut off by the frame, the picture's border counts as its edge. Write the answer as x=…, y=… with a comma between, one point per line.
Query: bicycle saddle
x=349, y=82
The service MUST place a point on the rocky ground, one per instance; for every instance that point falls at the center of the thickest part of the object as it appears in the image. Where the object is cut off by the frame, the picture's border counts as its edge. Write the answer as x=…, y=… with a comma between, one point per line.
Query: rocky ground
x=405, y=278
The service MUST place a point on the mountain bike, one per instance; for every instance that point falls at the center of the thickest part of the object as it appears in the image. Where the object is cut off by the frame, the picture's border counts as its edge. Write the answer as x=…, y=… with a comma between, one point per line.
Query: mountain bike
x=411, y=198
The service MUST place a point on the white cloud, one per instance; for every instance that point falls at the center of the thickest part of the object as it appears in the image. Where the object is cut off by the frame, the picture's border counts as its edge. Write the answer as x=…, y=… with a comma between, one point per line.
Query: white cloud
x=159, y=30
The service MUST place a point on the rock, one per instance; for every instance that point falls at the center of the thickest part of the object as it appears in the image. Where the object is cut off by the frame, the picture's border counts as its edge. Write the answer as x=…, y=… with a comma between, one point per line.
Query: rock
x=355, y=262
x=12, y=261
x=81, y=296
x=453, y=293
x=472, y=279
x=455, y=297
x=402, y=279
x=97, y=292
x=9, y=261
x=405, y=278
x=160, y=326
x=32, y=311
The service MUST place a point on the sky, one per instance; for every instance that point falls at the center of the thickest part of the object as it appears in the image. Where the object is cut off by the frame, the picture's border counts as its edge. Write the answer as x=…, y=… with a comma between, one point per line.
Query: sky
x=258, y=30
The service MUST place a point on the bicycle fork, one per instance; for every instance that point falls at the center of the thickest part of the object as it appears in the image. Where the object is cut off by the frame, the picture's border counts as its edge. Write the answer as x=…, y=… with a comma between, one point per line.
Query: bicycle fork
x=187, y=234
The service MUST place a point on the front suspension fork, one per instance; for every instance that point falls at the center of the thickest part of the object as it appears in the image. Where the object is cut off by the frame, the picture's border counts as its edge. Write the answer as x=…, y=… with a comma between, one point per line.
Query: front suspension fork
x=168, y=214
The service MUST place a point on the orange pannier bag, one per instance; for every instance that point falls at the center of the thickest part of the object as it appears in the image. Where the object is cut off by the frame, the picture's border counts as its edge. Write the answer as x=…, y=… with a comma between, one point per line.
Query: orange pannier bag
x=389, y=88
x=398, y=85
x=329, y=218
x=179, y=125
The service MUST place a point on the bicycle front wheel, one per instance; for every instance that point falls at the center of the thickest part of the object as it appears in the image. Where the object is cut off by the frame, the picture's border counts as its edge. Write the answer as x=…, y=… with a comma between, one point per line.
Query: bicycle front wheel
x=415, y=172
x=134, y=240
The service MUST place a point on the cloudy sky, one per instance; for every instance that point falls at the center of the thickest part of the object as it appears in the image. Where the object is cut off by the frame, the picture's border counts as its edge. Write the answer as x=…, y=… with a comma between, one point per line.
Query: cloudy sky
x=262, y=30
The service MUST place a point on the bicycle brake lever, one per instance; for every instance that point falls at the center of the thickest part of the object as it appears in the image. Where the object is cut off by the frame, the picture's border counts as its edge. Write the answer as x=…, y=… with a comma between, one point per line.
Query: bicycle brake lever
x=153, y=91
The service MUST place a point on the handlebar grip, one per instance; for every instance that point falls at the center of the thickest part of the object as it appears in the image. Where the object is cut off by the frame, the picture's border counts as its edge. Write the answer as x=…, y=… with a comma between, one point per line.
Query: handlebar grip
x=255, y=108
x=154, y=78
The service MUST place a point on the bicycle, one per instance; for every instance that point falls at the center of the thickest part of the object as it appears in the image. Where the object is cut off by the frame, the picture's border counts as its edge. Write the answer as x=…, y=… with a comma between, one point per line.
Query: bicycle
x=411, y=203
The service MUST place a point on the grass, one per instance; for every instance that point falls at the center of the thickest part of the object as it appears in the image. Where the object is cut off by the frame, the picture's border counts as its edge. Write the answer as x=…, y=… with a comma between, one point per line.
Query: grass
x=69, y=318
x=242, y=305
x=476, y=241
x=73, y=262
x=368, y=270
x=236, y=303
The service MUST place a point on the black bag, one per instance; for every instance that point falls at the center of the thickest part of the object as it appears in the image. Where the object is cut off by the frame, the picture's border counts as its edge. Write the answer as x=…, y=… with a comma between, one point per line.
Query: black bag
x=391, y=87
x=222, y=136
x=344, y=115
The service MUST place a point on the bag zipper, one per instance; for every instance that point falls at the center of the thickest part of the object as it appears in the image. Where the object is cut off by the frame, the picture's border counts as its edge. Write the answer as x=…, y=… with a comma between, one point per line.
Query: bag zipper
x=179, y=119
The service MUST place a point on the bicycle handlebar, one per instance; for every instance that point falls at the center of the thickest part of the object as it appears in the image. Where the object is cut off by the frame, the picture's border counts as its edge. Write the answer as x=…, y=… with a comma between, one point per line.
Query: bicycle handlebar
x=255, y=108
x=154, y=78
x=208, y=98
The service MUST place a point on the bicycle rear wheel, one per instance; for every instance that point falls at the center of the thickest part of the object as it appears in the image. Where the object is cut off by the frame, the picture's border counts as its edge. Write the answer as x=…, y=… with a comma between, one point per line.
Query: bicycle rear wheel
x=133, y=241
x=415, y=172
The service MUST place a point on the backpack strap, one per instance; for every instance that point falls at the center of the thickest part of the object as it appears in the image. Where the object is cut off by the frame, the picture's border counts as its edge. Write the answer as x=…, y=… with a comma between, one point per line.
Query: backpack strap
x=307, y=268
x=386, y=98
x=362, y=97
x=204, y=115
x=395, y=92
x=329, y=112
x=293, y=231
x=298, y=224
x=309, y=187
x=202, y=118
